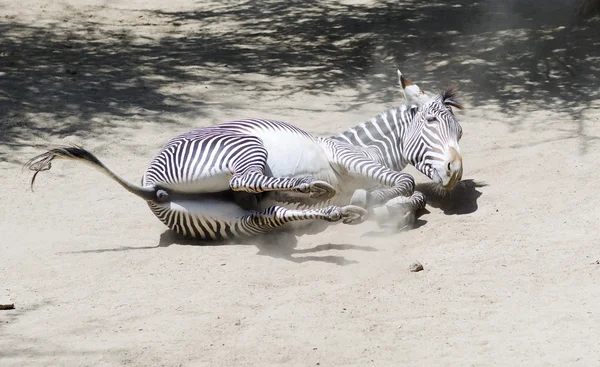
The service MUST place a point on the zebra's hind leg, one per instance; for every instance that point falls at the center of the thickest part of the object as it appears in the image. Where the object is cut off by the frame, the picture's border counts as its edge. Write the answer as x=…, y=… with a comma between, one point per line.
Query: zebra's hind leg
x=276, y=216
x=249, y=176
x=255, y=182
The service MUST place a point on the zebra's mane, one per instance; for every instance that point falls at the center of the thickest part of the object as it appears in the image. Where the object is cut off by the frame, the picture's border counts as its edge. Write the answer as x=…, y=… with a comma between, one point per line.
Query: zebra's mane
x=448, y=97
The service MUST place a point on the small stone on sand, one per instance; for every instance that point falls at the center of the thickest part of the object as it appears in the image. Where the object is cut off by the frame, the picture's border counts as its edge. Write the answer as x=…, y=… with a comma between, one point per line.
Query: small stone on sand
x=416, y=266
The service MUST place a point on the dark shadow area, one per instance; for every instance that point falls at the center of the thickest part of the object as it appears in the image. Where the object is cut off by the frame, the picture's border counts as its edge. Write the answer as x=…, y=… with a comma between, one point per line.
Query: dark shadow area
x=458, y=201
x=283, y=247
x=80, y=73
x=461, y=200
x=166, y=239
x=511, y=53
x=169, y=237
x=280, y=245
x=63, y=82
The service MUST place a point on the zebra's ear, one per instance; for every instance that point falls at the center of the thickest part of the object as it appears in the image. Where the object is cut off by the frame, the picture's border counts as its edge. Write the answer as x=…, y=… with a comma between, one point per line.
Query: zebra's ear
x=412, y=93
x=449, y=97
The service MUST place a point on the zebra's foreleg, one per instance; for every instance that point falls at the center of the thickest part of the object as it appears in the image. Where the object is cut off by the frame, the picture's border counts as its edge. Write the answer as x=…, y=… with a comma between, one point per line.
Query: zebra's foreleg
x=256, y=182
x=364, y=199
x=399, y=199
x=402, y=187
x=397, y=184
x=400, y=212
x=276, y=216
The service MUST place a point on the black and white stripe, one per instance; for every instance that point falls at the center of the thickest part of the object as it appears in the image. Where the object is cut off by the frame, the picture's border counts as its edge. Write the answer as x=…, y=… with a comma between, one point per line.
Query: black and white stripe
x=408, y=134
x=197, y=182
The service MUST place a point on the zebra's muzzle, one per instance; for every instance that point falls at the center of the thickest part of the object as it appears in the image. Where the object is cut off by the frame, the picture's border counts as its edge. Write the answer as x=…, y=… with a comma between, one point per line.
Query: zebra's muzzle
x=453, y=180
x=453, y=170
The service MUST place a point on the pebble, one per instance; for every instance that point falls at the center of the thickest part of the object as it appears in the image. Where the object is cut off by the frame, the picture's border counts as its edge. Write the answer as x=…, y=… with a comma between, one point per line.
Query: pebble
x=416, y=266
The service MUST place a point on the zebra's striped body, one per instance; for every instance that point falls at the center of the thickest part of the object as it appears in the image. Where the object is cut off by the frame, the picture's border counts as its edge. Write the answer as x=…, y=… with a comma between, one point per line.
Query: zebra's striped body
x=247, y=177
x=238, y=149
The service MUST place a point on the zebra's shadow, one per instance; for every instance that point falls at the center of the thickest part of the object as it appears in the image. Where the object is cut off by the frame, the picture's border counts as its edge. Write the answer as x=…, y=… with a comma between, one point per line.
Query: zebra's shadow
x=461, y=200
x=280, y=245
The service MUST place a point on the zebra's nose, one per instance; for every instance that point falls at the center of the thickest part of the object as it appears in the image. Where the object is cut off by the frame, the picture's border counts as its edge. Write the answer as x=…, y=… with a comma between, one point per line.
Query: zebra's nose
x=454, y=170
x=454, y=166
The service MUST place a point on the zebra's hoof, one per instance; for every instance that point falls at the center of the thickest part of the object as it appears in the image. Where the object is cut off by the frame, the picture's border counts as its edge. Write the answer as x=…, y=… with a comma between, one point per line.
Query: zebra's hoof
x=360, y=198
x=352, y=214
x=406, y=222
x=381, y=215
x=398, y=217
x=334, y=214
x=321, y=190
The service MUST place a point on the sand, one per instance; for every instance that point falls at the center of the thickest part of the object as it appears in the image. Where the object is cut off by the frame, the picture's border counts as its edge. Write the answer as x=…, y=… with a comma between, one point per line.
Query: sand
x=511, y=259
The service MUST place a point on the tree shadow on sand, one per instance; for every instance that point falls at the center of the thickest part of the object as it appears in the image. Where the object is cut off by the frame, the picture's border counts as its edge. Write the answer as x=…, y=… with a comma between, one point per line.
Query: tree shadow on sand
x=85, y=75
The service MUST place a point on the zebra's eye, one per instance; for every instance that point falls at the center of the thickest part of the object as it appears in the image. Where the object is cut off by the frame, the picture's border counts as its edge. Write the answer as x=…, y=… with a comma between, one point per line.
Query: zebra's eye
x=431, y=119
x=449, y=108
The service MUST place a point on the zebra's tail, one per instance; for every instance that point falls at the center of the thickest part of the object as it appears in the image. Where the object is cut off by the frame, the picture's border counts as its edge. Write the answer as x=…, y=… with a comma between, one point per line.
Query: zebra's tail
x=43, y=162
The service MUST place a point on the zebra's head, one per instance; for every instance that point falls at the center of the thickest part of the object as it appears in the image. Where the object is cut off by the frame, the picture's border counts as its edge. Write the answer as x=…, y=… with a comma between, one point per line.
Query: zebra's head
x=432, y=139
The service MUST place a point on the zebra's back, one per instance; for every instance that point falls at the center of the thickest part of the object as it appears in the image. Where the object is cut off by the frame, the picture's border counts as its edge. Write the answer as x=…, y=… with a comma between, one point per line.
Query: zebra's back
x=199, y=164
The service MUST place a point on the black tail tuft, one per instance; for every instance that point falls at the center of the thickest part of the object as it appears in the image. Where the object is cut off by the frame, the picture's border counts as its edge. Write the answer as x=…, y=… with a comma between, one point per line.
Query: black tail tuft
x=43, y=162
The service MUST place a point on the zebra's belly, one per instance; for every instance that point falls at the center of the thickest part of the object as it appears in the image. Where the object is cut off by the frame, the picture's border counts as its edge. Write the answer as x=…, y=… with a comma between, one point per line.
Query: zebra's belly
x=206, y=218
x=208, y=180
x=292, y=155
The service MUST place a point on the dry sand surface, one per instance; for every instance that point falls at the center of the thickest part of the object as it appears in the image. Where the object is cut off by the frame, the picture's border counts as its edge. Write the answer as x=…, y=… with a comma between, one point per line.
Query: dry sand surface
x=511, y=259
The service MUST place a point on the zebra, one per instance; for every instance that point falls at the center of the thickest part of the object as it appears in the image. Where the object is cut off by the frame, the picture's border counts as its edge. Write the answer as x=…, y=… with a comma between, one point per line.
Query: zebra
x=248, y=177
x=441, y=147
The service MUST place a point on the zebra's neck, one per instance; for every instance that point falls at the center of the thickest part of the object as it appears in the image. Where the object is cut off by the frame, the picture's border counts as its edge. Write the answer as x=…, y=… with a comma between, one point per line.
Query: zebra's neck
x=383, y=135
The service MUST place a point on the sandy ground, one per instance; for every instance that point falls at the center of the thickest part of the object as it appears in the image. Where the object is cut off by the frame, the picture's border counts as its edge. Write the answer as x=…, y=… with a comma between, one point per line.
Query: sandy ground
x=511, y=259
